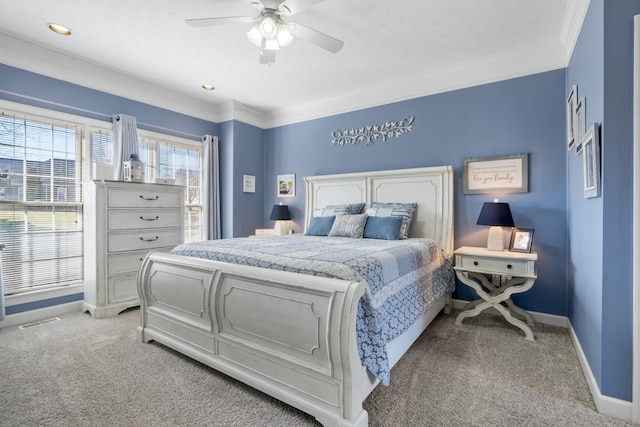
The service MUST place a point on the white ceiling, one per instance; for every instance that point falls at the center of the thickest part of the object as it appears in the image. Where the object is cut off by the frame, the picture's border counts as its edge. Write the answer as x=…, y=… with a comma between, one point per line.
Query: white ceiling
x=393, y=50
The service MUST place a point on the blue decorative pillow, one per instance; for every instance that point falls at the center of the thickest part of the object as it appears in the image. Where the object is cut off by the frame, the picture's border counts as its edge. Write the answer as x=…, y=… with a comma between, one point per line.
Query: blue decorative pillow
x=383, y=227
x=320, y=226
x=404, y=210
x=348, y=226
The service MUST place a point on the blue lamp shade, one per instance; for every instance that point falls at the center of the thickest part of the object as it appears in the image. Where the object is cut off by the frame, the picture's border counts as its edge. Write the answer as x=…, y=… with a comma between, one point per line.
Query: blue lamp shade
x=496, y=215
x=280, y=213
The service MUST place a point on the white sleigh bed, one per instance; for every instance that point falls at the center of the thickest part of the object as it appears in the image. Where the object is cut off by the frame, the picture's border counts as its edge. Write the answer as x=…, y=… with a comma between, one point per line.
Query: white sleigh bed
x=230, y=317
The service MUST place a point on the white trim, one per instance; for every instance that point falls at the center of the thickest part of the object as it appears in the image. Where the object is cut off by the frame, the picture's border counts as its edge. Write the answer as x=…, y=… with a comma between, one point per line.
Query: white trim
x=606, y=405
x=40, y=314
x=635, y=392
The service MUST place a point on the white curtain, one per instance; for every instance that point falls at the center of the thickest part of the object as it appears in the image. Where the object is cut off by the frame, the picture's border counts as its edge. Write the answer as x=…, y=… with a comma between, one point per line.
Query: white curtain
x=125, y=142
x=211, y=188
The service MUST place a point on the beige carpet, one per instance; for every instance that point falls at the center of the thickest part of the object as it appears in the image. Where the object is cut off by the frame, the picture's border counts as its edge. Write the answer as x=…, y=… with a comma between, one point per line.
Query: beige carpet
x=84, y=372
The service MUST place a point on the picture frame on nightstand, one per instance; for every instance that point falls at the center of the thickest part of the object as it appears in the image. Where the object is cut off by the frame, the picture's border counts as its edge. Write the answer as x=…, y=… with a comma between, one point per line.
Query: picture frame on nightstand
x=521, y=239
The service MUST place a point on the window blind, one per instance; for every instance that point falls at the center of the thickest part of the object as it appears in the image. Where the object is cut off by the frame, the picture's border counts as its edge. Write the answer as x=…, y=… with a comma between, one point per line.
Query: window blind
x=40, y=203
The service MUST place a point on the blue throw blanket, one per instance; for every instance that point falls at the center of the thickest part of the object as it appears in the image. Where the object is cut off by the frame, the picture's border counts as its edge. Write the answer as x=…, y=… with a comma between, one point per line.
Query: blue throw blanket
x=404, y=278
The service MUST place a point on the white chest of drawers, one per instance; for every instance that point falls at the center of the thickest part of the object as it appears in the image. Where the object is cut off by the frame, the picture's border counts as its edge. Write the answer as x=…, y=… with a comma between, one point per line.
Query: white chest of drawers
x=123, y=221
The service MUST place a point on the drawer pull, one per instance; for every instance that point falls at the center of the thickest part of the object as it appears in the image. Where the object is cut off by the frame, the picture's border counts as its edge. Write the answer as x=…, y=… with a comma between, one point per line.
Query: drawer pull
x=509, y=265
x=475, y=262
x=149, y=219
x=149, y=240
x=150, y=199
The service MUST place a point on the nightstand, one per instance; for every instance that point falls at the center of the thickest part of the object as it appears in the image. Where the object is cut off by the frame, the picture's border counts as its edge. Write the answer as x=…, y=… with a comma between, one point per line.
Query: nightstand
x=473, y=265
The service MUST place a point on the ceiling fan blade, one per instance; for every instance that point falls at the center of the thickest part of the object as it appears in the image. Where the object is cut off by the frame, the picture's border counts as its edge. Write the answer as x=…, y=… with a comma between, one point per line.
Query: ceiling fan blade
x=267, y=56
x=290, y=7
x=326, y=42
x=227, y=20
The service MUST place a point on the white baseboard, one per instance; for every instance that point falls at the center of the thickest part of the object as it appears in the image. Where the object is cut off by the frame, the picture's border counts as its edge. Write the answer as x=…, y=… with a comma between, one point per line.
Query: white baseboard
x=609, y=406
x=40, y=314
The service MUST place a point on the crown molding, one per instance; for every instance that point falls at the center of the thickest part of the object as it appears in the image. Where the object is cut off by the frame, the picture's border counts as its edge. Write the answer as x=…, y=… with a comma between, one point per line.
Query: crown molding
x=572, y=22
x=234, y=110
x=51, y=63
x=473, y=73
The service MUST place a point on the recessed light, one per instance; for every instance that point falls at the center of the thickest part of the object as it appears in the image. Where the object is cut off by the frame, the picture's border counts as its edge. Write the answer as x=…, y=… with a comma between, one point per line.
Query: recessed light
x=60, y=29
x=208, y=87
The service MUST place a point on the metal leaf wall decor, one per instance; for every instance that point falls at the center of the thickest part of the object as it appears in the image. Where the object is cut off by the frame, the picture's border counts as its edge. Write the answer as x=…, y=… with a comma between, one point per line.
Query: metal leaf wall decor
x=372, y=133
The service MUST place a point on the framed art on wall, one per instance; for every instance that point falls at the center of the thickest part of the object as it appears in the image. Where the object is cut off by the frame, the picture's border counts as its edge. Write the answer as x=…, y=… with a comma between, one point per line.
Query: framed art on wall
x=571, y=117
x=581, y=113
x=249, y=183
x=286, y=185
x=496, y=174
x=591, y=162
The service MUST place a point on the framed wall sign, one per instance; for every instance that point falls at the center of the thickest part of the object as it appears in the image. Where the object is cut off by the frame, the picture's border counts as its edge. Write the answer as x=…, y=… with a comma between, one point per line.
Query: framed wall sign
x=286, y=185
x=498, y=174
x=591, y=162
x=248, y=183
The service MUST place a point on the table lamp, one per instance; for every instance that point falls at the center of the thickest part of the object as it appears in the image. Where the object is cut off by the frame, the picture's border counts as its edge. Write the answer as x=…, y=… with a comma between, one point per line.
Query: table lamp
x=496, y=215
x=280, y=214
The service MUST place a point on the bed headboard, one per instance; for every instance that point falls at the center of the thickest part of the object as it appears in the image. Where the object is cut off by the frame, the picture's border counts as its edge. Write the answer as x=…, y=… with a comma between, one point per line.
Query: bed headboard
x=431, y=188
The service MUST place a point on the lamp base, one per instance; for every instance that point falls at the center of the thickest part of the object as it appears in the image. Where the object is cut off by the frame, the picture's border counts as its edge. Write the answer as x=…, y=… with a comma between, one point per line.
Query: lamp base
x=280, y=228
x=495, y=242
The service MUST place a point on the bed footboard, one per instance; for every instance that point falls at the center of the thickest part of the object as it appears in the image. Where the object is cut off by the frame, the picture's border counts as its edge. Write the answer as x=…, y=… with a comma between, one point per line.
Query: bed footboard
x=289, y=335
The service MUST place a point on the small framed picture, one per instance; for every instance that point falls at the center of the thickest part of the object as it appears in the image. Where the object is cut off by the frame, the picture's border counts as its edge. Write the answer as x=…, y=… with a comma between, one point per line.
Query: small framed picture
x=248, y=183
x=572, y=103
x=521, y=239
x=286, y=185
x=581, y=113
x=591, y=162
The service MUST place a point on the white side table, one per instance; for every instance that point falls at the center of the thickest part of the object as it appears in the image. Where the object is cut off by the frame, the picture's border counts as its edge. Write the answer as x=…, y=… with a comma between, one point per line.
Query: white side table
x=473, y=264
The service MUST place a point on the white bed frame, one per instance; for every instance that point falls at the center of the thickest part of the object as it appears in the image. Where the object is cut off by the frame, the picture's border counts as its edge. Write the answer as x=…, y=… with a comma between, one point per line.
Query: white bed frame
x=290, y=335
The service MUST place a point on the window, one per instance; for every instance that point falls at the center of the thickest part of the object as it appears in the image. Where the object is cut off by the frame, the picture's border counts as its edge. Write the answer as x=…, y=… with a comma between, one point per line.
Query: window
x=183, y=165
x=166, y=158
x=40, y=202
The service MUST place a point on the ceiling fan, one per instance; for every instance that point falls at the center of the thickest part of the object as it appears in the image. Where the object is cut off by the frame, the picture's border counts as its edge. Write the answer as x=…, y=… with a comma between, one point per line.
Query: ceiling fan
x=270, y=32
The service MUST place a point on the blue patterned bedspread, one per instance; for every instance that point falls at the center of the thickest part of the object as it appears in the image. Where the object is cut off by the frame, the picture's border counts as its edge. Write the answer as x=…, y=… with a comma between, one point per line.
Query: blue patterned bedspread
x=404, y=278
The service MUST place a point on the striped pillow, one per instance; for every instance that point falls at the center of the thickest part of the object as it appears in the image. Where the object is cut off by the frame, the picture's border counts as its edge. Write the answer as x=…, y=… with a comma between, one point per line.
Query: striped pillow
x=406, y=213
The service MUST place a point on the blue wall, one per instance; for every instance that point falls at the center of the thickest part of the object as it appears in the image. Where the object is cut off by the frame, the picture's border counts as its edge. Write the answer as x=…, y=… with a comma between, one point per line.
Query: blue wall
x=524, y=115
x=600, y=279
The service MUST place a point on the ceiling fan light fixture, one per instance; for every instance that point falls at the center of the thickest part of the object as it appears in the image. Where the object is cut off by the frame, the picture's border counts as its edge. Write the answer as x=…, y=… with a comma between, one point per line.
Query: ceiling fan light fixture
x=271, y=44
x=268, y=27
x=254, y=35
x=284, y=36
